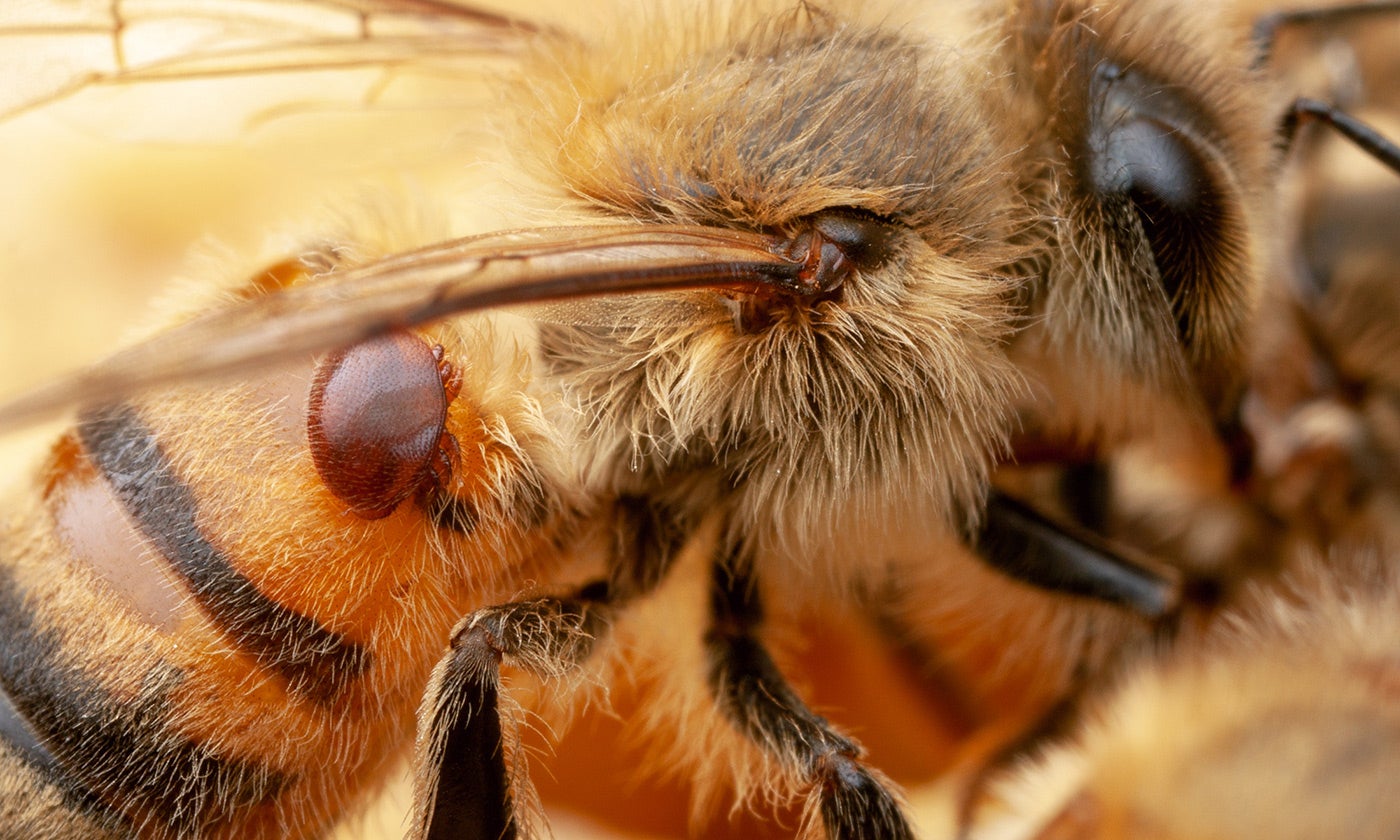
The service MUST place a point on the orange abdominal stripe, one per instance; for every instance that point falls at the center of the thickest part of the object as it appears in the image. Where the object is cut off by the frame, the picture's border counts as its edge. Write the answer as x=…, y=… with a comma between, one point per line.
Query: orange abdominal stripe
x=316, y=662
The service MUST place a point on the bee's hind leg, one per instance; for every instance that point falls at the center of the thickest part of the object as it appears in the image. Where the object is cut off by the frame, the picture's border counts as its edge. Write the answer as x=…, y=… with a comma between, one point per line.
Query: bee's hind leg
x=852, y=800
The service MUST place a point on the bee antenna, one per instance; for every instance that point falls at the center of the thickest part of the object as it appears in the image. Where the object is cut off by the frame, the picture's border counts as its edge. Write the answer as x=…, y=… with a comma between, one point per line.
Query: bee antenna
x=1368, y=139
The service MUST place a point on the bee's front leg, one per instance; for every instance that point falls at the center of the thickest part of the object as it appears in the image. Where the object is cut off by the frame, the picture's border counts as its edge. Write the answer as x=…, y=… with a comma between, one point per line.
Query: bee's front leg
x=462, y=786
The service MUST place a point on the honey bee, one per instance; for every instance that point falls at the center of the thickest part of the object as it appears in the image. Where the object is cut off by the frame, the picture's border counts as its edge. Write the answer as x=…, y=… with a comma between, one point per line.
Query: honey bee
x=1276, y=720
x=797, y=279
x=1312, y=421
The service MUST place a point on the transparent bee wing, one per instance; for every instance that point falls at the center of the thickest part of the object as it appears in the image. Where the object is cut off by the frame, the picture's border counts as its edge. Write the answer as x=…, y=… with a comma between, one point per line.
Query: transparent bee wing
x=537, y=267
x=53, y=49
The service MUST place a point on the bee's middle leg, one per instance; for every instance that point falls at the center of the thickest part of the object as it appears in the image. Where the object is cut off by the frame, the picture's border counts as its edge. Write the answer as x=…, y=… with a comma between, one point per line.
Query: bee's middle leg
x=852, y=800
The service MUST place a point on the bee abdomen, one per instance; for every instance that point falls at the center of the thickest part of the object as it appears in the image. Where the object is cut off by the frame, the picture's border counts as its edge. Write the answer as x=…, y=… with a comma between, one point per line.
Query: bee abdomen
x=114, y=761
x=316, y=662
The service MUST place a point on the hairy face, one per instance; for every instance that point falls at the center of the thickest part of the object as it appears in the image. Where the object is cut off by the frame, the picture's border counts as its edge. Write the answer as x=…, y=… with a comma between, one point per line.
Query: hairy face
x=887, y=395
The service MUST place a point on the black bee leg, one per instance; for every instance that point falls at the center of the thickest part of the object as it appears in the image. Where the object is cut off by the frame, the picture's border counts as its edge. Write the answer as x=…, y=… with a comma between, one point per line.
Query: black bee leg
x=463, y=788
x=1061, y=557
x=852, y=800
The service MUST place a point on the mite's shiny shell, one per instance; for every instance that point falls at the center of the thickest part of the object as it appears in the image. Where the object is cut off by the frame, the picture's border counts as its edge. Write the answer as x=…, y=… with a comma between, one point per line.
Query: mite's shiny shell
x=376, y=419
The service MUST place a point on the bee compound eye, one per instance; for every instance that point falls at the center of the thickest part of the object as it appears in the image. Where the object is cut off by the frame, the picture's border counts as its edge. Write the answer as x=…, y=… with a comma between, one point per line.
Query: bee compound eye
x=374, y=421
x=1154, y=164
x=1150, y=146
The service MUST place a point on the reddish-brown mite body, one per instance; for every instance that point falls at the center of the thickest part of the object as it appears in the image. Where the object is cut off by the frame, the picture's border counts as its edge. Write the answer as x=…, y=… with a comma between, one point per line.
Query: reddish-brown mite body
x=376, y=422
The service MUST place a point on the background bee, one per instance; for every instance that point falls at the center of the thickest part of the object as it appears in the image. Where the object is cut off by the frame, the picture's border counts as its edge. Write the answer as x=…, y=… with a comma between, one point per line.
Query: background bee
x=1316, y=404
x=1275, y=720
x=1023, y=254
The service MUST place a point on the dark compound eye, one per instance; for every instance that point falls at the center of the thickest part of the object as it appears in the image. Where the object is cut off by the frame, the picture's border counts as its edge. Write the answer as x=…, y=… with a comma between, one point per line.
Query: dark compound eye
x=375, y=421
x=1154, y=164
x=1148, y=145
x=1161, y=170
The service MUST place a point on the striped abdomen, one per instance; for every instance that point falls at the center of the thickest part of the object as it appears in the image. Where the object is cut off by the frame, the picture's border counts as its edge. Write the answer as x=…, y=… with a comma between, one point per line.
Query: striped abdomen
x=198, y=639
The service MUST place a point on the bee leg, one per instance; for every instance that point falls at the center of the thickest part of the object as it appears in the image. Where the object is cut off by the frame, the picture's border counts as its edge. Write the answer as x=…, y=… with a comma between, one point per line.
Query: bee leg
x=1060, y=557
x=852, y=800
x=463, y=788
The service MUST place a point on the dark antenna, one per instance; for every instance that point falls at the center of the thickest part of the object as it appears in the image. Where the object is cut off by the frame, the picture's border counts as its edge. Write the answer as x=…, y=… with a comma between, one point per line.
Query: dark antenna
x=1366, y=138
x=1265, y=36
